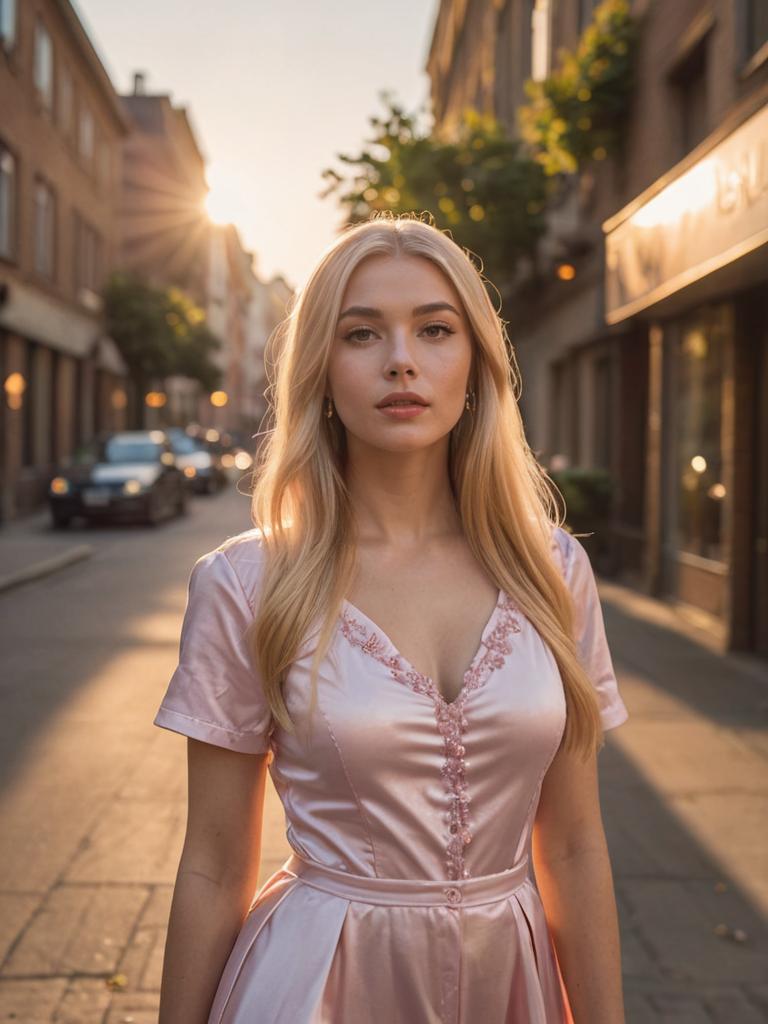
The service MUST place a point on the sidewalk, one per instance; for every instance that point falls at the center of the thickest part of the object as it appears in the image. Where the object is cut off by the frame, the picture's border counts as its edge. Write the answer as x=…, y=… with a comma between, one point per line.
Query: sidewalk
x=684, y=788
x=30, y=548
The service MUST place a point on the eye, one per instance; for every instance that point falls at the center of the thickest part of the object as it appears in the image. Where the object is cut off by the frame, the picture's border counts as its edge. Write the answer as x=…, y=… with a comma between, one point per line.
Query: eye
x=350, y=336
x=441, y=327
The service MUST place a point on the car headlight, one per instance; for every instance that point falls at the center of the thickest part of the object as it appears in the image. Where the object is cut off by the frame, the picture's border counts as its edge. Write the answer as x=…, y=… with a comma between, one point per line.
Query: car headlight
x=133, y=487
x=60, y=485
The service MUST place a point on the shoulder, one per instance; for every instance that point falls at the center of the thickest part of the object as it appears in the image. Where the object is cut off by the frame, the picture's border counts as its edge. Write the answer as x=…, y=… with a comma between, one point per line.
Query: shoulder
x=238, y=560
x=563, y=547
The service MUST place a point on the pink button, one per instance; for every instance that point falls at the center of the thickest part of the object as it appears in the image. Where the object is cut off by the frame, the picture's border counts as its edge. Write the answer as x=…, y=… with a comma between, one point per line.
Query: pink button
x=452, y=895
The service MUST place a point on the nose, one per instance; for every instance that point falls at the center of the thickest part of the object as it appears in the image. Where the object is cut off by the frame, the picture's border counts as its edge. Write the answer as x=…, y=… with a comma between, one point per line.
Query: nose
x=400, y=359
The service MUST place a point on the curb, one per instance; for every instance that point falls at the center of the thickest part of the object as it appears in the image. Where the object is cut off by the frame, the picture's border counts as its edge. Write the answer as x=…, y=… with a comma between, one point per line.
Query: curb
x=46, y=567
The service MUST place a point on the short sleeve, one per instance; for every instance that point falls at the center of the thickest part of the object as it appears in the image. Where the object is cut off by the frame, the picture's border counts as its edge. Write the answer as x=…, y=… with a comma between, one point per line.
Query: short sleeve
x=590, y=632
x=215, y=693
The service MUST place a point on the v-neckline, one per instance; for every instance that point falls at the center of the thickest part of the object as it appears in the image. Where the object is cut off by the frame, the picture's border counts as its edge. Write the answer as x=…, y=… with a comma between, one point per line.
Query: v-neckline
x=428, y=681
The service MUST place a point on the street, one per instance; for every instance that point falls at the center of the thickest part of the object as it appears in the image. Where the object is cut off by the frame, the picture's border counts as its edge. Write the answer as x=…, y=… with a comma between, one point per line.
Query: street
x=92, y=801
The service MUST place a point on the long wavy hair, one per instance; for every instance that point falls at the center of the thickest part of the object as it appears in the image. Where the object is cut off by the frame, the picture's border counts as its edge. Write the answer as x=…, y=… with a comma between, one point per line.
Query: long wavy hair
x=301, y=506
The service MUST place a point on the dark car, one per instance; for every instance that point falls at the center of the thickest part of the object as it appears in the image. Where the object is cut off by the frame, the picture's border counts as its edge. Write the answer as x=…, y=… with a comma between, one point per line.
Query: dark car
x=131, y=474
x=199, y=460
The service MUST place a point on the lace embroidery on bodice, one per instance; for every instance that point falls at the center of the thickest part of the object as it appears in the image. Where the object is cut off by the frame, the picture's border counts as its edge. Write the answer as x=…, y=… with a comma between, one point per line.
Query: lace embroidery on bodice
x=451, y=721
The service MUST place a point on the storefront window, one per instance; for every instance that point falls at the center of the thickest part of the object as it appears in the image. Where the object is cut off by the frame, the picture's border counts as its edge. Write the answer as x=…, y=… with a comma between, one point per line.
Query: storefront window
x=701, y=492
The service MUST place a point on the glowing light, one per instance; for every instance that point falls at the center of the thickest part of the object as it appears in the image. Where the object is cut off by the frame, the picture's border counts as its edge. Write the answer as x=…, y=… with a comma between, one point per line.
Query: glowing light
x=155, y=399
x=566, y=271
x=698, y=464
x=15, y=385
x=219, y=398
x=223, y=204
x=119, y=398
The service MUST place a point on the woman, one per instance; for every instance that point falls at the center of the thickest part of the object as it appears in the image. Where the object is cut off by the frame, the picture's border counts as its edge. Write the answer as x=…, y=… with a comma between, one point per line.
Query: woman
x=416, y=648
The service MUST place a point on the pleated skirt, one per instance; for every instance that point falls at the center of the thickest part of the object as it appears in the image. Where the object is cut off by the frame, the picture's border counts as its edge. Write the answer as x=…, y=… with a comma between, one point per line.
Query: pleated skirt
x=322, y=946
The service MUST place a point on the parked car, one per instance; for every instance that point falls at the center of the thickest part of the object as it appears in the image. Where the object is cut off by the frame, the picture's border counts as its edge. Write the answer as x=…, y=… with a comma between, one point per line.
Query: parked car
x=130, y=474
x=199, y=460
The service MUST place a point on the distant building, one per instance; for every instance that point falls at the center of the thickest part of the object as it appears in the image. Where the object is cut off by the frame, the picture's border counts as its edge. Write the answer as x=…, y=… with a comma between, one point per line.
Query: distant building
x=164, y=228
x=651, y=360
x=61, y=126
x=243, y=309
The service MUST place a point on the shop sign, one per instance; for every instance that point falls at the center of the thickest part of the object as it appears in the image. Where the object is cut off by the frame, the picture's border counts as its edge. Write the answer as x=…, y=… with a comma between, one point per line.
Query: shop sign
x=713, y=213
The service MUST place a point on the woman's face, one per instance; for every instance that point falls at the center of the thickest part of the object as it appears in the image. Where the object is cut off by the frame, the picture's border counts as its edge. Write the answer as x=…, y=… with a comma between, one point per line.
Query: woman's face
x=386, y=343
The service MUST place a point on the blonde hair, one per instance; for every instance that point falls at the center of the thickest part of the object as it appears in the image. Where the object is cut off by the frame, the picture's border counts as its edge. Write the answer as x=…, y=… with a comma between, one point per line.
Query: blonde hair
x=301, y=505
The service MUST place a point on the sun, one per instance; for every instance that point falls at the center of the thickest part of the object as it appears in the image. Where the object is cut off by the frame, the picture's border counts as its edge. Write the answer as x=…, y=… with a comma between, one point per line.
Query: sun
x=222, y=204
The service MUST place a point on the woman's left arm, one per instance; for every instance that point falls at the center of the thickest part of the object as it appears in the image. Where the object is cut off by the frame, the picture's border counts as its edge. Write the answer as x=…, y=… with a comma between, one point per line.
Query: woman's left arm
x=573, y=872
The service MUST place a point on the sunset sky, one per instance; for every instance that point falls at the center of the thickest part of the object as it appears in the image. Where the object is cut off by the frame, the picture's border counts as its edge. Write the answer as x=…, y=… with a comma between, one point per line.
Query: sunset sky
x=275, y=88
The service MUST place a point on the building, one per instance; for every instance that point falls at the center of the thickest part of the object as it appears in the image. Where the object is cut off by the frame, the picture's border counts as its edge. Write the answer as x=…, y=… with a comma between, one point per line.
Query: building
x=163, y=226
x=61, y=126
x=651, y=359
x=244, y=309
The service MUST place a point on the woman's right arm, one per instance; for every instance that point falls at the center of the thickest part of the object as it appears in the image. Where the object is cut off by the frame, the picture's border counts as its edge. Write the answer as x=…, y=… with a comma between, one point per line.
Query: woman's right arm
x=217, y=876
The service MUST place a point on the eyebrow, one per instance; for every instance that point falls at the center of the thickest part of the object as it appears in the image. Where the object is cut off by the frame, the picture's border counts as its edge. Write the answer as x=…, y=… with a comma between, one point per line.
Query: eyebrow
x=376, y=314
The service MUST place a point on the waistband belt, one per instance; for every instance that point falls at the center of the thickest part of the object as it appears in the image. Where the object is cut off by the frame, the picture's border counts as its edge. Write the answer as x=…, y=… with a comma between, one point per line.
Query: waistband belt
x=397, y=892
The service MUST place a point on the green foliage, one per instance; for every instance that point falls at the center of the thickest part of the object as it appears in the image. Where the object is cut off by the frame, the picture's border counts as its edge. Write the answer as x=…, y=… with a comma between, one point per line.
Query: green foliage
x=578, y=113
x=160, y=332
x=480, y=185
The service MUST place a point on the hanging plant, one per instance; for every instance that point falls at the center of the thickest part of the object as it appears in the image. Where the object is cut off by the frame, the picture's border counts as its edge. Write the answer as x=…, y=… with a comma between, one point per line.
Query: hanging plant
x=578, y=113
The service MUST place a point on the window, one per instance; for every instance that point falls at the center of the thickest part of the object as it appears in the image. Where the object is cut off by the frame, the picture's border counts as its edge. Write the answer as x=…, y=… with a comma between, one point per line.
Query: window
x=757, y=25
x=66, y=101
x=698, y=452
x=43, y=66
x=45, y=229
x=105, y=166
x=541, y=42
x=85, y=135
x=8, y=23
x=689, y=82
x=7, y=203
x=87, y=254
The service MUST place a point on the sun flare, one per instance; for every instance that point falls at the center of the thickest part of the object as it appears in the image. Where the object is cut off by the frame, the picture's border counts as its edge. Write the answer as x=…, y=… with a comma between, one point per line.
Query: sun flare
x=222, y=203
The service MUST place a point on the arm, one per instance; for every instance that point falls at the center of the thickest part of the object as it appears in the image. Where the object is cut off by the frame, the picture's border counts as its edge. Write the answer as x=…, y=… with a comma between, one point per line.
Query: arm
x=216, y=879
x=573, y=873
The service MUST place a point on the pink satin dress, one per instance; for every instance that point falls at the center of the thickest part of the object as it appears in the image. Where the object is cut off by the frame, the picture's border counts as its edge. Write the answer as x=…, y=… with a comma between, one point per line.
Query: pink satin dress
x=409, y=897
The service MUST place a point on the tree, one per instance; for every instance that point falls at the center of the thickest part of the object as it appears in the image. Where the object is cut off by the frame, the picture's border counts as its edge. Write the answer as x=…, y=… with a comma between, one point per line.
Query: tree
x=159, y=332
x=480, y=185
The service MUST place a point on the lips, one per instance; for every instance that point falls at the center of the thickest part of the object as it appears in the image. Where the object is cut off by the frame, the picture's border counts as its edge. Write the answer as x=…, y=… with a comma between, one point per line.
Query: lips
x=404, y=398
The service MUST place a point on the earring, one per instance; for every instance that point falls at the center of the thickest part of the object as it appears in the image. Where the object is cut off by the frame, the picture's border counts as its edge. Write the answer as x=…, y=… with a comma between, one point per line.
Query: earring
x=470, y=401
x=328, y=407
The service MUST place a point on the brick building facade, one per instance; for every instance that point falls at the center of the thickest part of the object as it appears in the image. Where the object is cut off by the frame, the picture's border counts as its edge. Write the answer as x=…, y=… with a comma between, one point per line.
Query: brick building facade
x=61, y=126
